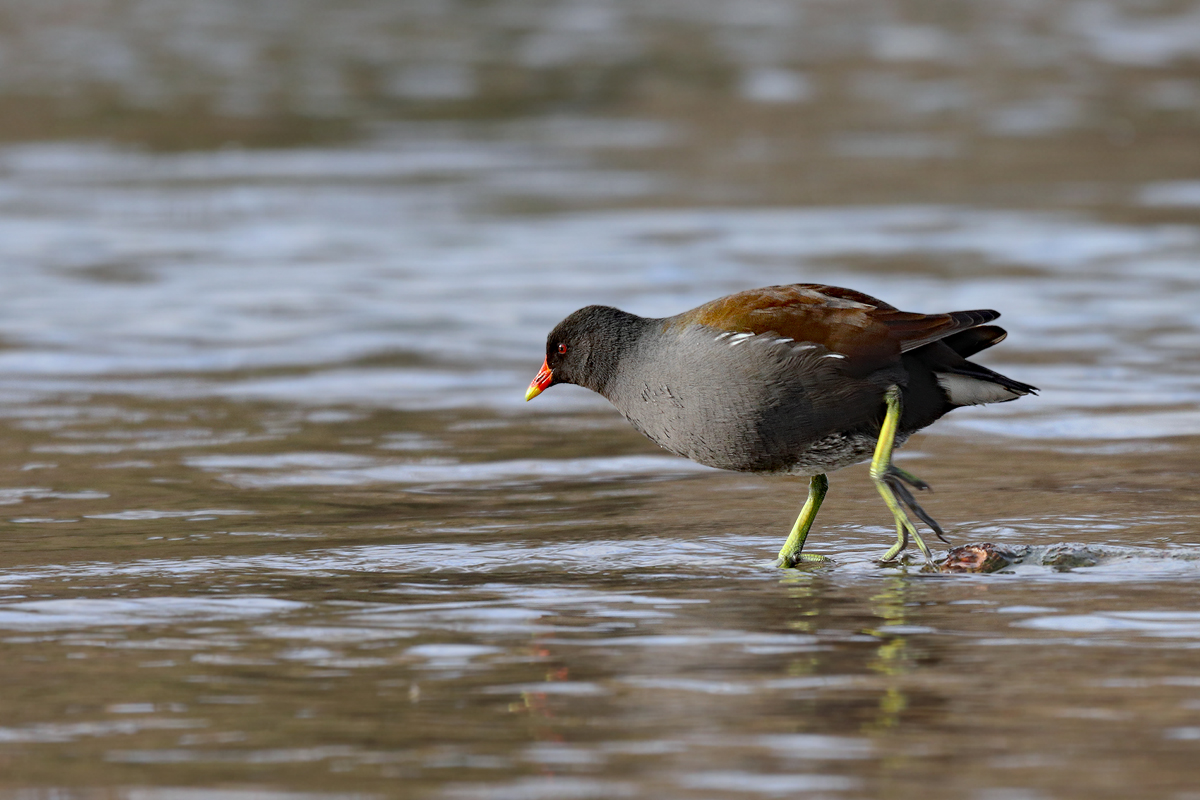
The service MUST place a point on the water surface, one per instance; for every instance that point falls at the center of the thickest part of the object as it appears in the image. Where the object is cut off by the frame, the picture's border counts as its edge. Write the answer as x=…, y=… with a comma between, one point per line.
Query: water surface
x=278, y=524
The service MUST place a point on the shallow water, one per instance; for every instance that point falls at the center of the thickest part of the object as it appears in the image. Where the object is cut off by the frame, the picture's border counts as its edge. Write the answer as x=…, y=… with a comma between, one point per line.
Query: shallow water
x=279, y=526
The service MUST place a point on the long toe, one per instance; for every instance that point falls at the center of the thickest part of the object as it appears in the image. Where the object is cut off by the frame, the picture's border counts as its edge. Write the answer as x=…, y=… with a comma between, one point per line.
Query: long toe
x=894, y=482
x=909, y=478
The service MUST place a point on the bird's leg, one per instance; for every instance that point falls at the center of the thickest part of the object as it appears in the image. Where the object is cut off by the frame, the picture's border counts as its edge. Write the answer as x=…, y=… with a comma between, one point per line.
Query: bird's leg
x=789, y=554
x=888, y=479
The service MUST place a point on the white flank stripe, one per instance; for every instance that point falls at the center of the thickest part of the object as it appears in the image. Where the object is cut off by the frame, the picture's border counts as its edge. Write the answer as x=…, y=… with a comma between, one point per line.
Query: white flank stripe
x=738, y=338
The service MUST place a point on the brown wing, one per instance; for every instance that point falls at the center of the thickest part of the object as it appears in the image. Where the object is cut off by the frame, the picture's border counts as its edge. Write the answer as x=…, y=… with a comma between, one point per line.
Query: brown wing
x=869, y=332
x=917, y=330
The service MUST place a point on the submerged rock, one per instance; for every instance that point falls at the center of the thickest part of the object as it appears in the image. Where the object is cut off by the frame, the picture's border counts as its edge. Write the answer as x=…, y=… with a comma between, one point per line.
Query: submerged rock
x=991, y=557
x=1066, y=556
x=986, y=557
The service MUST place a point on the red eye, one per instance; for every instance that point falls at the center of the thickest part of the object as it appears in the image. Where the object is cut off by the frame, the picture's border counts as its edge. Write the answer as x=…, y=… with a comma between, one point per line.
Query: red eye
x=562, y=349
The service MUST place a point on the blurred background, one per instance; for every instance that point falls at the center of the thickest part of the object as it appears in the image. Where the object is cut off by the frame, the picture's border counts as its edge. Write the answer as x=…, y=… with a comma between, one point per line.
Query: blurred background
x=768, y=101
x=277, y=523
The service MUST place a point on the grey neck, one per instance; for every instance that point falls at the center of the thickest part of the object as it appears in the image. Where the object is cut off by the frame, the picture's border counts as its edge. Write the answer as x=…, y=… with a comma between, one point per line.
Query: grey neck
x=614, y=351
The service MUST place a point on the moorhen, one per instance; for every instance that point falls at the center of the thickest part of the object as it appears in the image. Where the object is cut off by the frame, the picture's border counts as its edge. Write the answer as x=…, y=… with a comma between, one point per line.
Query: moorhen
x=795, y=380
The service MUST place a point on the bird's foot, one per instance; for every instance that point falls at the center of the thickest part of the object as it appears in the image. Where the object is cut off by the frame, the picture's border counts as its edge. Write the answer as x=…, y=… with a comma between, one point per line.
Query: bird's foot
x=890, y=480
x=895, y=478
x=909, y=478
x=801, y=559
x=890, y=483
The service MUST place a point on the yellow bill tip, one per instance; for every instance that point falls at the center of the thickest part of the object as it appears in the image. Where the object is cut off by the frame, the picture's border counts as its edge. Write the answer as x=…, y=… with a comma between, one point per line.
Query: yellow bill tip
x=540, y=383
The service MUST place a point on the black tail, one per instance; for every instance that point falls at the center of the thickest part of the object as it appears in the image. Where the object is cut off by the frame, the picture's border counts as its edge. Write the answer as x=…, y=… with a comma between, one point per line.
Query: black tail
x=969, y=342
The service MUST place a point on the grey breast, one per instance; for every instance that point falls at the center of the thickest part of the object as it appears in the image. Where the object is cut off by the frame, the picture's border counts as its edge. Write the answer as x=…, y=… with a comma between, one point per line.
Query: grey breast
x=741, y=401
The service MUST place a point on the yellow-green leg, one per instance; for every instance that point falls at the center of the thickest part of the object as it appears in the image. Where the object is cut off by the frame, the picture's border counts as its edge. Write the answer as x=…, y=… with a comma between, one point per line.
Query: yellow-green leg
x=900, y=545
x=789, y=554
x=887, y=476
